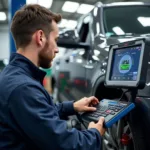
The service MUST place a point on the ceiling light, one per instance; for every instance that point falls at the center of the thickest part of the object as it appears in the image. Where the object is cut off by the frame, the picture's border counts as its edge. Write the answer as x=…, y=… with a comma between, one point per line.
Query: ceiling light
x=70, y=6
x=125, y=3
x=85, y=8
x=2, y=16
x=45, y=3
x=71, y=24
x=145, y=21
x=31, y=1
x=63, y=23
x=118, y=30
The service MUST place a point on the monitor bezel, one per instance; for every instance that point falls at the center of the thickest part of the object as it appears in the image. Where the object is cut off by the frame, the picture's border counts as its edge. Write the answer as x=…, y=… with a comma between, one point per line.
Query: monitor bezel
x=124, y=83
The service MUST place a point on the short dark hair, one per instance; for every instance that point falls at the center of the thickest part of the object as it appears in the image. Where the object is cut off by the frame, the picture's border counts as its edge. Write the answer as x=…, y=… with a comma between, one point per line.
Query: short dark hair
x=28, y=20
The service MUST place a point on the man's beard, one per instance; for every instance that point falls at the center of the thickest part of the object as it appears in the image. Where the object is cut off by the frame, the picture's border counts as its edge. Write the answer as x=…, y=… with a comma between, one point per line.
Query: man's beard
x=44, y=59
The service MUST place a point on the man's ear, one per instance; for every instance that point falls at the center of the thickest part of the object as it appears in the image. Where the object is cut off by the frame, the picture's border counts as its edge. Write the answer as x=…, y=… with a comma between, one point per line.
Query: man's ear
x=39, y=38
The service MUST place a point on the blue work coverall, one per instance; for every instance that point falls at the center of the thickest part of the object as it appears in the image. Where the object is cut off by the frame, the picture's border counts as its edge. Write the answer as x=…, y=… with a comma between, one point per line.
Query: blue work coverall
x=29, y=120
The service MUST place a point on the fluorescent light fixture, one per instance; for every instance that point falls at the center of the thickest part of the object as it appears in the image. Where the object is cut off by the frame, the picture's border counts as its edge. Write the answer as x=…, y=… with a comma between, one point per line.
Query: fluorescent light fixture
x=85, y=8
x=125, y=3
x=31, y=1
x=71, y=24
x=2, y=16
x=63, y=23
x=45, y=3
x=145, y=21
x=70, y=6
x=118, y=30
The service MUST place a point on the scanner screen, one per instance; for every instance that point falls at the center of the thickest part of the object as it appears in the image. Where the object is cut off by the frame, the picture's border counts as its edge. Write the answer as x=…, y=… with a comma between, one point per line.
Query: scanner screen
x=125, y=63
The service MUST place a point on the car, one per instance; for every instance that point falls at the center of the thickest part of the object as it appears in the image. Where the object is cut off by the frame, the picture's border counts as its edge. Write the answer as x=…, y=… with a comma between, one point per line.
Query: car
x=80, y=72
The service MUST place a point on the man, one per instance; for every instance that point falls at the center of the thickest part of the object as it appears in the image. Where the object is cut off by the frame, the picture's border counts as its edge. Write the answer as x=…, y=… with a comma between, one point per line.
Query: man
x=29, y=120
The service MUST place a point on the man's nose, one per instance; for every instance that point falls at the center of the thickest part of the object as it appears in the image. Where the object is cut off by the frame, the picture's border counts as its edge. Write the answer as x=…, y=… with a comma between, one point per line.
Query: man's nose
x=56, y=50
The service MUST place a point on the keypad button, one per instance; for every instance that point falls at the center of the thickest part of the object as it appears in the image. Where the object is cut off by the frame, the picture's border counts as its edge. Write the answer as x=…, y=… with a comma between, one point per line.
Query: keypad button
x=92, y=115
x=112, y=107
x=112, y=113
x=108, y=111
x=119, y=108
x=96, y=115
x=100, y=112
x=116, y=110
x=104, y=115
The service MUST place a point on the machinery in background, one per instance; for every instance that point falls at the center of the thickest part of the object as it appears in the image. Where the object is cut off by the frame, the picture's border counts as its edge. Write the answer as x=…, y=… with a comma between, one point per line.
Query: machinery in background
x=81, y=71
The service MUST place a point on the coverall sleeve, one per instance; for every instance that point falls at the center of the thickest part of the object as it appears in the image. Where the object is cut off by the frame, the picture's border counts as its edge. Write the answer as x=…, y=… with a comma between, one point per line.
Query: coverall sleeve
x=65, y=109
x=41, y=123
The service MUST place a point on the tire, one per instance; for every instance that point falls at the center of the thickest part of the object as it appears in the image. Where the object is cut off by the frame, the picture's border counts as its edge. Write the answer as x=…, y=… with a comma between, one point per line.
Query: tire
x=126, y=126
x=139, y=130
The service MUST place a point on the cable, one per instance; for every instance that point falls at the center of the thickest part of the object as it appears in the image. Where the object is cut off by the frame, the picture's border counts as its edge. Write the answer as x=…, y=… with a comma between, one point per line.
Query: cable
x=80, y=119
x=122, y=95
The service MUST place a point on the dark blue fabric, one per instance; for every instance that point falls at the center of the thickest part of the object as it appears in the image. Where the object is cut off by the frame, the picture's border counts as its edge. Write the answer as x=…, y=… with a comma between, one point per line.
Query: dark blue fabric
x=29, y=120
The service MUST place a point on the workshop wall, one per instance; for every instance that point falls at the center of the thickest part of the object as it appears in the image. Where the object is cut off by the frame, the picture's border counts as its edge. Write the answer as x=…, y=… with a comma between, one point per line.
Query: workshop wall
x=4, y=42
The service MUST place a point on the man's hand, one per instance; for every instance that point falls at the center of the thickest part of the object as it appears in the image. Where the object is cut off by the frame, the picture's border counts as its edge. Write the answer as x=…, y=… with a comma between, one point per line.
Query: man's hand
x=98, y=126
x=86, y=104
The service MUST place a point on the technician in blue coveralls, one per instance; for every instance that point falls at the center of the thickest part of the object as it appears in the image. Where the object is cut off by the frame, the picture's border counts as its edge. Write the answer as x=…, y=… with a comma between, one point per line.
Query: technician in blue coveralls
x=29, y=120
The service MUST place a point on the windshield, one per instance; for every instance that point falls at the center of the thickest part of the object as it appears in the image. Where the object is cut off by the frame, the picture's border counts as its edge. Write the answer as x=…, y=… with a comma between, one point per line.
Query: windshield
x=126, y=20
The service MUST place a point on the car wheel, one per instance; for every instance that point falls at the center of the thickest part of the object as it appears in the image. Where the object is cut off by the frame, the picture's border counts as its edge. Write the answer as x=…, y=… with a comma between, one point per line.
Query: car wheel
x=119, y=137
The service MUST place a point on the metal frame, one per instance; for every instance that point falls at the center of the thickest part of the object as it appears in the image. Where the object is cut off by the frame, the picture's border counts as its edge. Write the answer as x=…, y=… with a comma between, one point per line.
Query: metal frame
x=124, y=83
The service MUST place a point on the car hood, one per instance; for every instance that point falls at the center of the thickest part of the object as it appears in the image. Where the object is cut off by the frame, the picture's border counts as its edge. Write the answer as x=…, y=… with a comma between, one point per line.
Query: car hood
x=120, y=39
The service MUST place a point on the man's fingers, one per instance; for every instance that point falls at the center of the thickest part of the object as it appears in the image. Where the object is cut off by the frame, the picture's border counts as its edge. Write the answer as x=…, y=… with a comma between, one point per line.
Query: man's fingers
x=94, y=102
x=101, y=121
x=91, y=122
x=90, y=109
x=93, y=99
